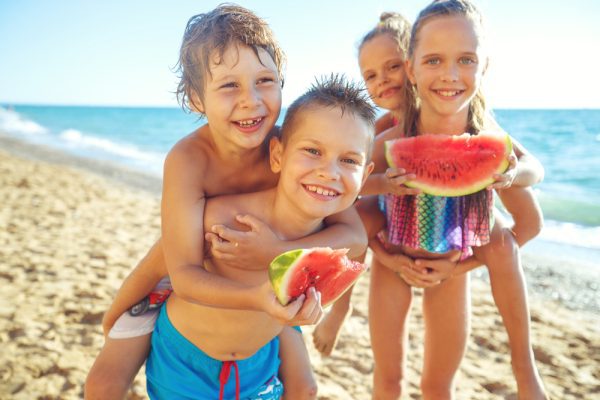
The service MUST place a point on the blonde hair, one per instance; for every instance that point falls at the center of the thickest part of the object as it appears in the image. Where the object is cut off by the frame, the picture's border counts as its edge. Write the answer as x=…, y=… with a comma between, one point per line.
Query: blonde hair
x=215, y=31
x=393, y=24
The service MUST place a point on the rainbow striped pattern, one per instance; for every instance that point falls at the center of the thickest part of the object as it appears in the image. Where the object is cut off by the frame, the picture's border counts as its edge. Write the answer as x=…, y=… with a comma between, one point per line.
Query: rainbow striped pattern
x=434, y=223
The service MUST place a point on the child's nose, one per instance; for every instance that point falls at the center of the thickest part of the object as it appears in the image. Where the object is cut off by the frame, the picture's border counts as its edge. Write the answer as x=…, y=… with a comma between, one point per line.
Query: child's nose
x=250, y=97
x=329, y=170
x=450, y=73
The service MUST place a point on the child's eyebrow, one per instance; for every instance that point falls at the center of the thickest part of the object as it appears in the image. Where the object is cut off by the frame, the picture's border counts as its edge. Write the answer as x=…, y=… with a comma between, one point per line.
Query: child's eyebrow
x=317, y=142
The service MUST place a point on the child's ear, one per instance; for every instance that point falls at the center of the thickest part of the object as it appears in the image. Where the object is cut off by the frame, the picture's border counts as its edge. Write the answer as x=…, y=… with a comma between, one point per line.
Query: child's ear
x=368, y=169
x=196, y=104
x=275, y=152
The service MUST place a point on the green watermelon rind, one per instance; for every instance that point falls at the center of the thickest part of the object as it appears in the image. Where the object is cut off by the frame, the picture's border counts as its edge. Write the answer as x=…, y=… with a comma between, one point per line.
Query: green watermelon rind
x=278, y=272
x=454, y=192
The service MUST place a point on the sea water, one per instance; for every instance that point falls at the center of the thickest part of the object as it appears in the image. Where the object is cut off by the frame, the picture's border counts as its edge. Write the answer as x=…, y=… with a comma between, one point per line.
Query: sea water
x=567, y=142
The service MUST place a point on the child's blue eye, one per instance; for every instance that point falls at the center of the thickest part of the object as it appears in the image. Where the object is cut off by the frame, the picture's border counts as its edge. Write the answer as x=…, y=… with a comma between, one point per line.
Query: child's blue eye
x=350, y=161
x=313, y=151
x=368, y=77
x=433, y=61
x=467, y=60
x=228, y=85
x=266, y=80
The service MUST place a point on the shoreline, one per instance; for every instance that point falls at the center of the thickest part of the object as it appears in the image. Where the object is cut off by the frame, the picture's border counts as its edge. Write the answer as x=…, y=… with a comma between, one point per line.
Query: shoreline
x=74, y=232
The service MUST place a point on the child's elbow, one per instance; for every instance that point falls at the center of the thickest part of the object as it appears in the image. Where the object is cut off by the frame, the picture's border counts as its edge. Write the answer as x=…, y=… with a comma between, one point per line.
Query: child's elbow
x=526, y=232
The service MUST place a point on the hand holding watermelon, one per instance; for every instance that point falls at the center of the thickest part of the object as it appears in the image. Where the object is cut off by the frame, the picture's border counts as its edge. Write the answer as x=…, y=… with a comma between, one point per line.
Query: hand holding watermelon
x=395, y=182
x=305, y=309
x=329, y=271
x=451, y=165
x=506, y=179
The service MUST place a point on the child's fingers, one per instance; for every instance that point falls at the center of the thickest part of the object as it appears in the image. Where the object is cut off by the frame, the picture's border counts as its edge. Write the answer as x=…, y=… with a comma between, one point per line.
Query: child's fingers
x=394, y=172
x=254, y=223
x=291, y=310
x=228, y=234
x=316, y=311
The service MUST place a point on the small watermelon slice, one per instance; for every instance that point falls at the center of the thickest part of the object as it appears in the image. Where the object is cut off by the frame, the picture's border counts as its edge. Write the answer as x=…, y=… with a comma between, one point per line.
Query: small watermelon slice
x=329, y=271
x=450, y=165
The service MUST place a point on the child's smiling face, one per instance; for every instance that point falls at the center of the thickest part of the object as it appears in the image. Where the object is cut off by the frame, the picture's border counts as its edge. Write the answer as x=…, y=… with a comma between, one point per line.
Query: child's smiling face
x=324, y=162
x=382, y=67
x=447, y=65
x=242, y=97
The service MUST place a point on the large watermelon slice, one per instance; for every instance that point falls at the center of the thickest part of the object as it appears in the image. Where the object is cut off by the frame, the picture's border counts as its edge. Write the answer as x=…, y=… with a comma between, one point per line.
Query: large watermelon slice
x=450, y=165
x=329, y=271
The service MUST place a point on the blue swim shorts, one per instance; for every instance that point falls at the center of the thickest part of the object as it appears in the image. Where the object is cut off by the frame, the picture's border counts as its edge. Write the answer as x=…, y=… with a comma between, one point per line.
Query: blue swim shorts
x=177, y=369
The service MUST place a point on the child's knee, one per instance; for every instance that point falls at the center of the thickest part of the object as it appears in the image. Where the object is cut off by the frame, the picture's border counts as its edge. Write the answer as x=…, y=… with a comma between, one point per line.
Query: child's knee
x=502, y=244
x=391, y=387
x=304, y=390
x=390, y=383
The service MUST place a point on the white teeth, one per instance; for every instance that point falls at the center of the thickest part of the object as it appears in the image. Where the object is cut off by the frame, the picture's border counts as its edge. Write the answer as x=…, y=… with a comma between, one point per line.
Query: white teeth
x=249, y=122
x=321, y=191
x=448, y=93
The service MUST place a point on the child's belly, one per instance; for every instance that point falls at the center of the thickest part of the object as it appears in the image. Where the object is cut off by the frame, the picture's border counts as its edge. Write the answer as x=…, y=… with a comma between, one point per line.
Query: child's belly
x=223, y=334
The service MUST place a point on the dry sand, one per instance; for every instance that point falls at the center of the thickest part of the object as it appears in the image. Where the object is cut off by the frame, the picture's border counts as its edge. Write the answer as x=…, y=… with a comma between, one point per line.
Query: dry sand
x=68, y=237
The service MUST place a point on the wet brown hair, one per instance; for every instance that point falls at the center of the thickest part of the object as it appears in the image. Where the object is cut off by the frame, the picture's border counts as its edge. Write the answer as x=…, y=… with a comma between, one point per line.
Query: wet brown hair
x=210, y=34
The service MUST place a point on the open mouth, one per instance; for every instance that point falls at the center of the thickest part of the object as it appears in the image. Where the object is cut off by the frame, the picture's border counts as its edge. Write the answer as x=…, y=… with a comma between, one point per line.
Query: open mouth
x=249, y=123
x=321, y=191
x=389, y=92
x=449, y=93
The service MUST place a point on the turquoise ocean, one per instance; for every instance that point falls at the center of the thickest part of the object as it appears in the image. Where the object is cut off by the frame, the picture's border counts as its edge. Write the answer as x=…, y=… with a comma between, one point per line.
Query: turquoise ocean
x=566, y=141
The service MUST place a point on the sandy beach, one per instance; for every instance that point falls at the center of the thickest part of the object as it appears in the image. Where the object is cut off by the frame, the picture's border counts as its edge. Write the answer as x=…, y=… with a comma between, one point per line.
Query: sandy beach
x=72, y=229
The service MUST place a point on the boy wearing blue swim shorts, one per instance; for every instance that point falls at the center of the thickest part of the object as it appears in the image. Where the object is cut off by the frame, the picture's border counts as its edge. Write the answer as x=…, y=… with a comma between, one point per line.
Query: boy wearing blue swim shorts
x=323, y=157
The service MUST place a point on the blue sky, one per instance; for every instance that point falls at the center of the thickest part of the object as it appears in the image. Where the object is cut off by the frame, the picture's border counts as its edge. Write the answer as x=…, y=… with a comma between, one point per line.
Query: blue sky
x=544, y=53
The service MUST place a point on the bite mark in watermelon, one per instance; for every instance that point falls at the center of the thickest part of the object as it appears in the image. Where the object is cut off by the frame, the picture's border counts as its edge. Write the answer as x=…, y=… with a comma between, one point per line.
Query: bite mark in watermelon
x=450, y=165
x=329, y=271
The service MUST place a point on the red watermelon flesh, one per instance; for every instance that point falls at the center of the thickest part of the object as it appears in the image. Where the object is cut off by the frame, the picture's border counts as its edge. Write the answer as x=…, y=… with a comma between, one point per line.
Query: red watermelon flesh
x=329, y=271
x=451, y=165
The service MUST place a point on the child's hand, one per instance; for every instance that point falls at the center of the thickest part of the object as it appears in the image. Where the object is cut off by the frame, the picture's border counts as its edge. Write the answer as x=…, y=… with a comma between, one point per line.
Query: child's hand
x=428, y=273
x=305, y=310
x=244, y=249
x=505, y=180
x=396, y=262
x=395, y=178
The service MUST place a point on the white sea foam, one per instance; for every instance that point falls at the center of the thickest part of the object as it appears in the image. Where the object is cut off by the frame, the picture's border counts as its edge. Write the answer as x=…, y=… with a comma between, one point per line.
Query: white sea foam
x=572, y=234
x=104, y=148
x=12, y=122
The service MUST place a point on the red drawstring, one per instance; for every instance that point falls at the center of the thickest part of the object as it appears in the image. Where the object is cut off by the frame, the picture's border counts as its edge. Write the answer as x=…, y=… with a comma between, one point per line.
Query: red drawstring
x=224, y=377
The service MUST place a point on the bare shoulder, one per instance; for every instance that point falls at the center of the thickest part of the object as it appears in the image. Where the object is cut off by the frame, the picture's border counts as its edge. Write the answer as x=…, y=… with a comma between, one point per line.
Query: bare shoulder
x=188, y=159
x=193, y=147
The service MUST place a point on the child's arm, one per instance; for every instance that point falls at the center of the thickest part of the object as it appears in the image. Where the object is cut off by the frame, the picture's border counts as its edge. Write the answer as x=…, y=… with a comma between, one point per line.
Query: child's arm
x=182, y=215
x=257, y=247
x=526, y=170
x=137, y=285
